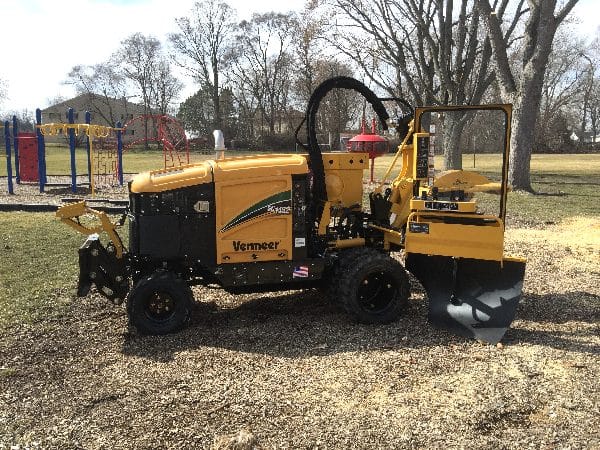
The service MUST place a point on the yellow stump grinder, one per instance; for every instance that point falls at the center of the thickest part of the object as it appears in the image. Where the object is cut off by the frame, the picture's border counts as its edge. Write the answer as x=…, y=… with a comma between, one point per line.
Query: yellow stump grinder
x=294, y=221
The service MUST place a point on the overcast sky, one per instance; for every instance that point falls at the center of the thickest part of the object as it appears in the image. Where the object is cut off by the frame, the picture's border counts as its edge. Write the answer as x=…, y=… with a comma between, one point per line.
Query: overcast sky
x=42, y=40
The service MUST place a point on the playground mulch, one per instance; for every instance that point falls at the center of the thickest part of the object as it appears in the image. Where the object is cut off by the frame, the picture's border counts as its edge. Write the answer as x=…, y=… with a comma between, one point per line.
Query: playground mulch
x=290, y=370
x=59, y=188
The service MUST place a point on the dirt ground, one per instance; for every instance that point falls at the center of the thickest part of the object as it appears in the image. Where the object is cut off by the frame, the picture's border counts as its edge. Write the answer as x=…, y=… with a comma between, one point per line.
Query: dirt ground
x=290, y=370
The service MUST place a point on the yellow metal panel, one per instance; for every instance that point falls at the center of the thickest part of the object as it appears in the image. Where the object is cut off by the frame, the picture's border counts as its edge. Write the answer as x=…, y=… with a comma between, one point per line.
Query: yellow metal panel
x=344, y=186
x=345, y=160
x=458, y=240
x=343, y=177
x=402, y=190
x=246, y=231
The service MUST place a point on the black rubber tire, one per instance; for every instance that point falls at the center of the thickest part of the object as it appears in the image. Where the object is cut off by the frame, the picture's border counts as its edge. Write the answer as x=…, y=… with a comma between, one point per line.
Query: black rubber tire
x=332, y=286
x=159, y=303
x=372, y=286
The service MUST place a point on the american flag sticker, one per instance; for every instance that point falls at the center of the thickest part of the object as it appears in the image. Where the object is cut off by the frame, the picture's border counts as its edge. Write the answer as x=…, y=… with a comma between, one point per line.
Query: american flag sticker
x=300, y=272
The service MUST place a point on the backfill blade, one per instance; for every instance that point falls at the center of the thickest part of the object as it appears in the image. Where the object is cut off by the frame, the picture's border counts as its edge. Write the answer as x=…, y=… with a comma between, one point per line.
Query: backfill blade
x=470, y=297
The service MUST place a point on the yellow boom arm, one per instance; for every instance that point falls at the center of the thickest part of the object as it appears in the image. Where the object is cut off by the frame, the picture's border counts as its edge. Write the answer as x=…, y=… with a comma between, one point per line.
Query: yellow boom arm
x=70, y=214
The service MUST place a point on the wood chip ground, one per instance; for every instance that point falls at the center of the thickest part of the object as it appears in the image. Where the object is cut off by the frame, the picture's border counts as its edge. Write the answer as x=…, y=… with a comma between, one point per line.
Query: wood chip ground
x=290, y=370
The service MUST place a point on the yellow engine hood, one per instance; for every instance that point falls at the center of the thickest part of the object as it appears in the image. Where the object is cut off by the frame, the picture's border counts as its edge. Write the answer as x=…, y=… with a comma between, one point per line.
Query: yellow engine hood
x=172, y=178
x=221, y=170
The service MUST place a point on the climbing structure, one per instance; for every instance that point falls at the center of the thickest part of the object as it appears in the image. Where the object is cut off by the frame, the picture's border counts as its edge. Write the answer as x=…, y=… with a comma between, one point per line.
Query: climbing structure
x=164, y=130
x=105, y=160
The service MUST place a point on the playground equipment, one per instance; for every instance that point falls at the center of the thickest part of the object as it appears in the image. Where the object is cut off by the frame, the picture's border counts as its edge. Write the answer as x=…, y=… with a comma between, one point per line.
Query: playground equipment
x=92, y=132
x=6, y=127
x=166, y=131
x=104, y=166
x=104, y=145
x=20, y=141
x=370, y=143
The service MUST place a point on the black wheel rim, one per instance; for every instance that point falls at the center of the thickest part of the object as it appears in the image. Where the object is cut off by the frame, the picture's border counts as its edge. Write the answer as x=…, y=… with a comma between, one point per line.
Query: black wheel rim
x=377, y=292
x=160, y=307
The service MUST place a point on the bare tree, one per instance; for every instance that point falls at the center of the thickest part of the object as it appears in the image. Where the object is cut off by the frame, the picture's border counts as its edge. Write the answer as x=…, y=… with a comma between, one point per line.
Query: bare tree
x=564, y=83
x=425, y=50
x=263, y=63
x=594, y=108
x=203, y=43
x=103, y=85
x=3, y=91
x=523, y=85
x=25, y=118
x=165, y=87
x=308, y=48
x=139, y=56
x=144, y=64
x=591, y=90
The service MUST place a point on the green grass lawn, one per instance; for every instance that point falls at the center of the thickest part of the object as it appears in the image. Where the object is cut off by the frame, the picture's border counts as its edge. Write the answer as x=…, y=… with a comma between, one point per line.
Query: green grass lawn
x=38, y=266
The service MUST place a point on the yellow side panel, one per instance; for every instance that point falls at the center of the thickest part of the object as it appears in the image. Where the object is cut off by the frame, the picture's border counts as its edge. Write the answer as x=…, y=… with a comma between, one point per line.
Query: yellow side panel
x=343, y=177
x=253, y=219
x=427, y=236
x=402, y=190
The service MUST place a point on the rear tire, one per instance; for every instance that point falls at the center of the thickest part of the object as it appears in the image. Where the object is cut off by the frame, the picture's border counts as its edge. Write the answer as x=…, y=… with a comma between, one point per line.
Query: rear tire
x=373, y=287
x=160, y=303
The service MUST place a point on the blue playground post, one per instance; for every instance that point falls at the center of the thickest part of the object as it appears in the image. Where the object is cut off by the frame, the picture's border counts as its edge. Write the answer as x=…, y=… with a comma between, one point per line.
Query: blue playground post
x=71, y=117
x=16, y=147
x=120, y=153
x=8, y=156
x=88, y=120
x=41, y=150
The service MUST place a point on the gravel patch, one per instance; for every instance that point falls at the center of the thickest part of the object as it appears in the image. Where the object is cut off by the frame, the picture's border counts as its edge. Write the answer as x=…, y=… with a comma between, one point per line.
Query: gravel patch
x=30, y=192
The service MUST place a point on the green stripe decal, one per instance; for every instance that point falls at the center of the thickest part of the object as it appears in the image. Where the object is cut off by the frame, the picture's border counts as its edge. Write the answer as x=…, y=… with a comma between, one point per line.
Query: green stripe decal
x=274, y=204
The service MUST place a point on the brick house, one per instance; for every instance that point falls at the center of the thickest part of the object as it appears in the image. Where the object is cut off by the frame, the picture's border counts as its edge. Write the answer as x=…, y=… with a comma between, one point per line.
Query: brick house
x=103, y=110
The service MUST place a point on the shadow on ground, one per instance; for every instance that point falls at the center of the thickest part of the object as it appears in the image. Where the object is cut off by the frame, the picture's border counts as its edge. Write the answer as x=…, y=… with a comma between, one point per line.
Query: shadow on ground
x=305, y=324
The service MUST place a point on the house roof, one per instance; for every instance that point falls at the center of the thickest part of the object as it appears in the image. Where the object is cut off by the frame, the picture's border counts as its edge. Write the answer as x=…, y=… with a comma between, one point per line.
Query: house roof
x=86, y=101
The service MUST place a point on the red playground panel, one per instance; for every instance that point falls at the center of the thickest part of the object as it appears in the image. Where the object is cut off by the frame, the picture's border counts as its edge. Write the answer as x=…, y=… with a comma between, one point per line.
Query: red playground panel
x=28, y=157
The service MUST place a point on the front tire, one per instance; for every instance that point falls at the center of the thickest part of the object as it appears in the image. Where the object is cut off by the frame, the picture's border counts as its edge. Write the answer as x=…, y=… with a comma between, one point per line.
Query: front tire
x=160, y=303
x=374, y=288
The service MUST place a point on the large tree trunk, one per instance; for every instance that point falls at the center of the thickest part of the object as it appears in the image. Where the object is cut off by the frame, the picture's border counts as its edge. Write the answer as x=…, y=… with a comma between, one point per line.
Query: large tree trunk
x=453, y=130
x=540, y=30
x=525, y=114
x=524, y=92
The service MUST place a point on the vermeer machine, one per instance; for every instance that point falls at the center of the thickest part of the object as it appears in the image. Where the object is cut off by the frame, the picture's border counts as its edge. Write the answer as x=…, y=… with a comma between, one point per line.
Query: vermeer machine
x=294, y=221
